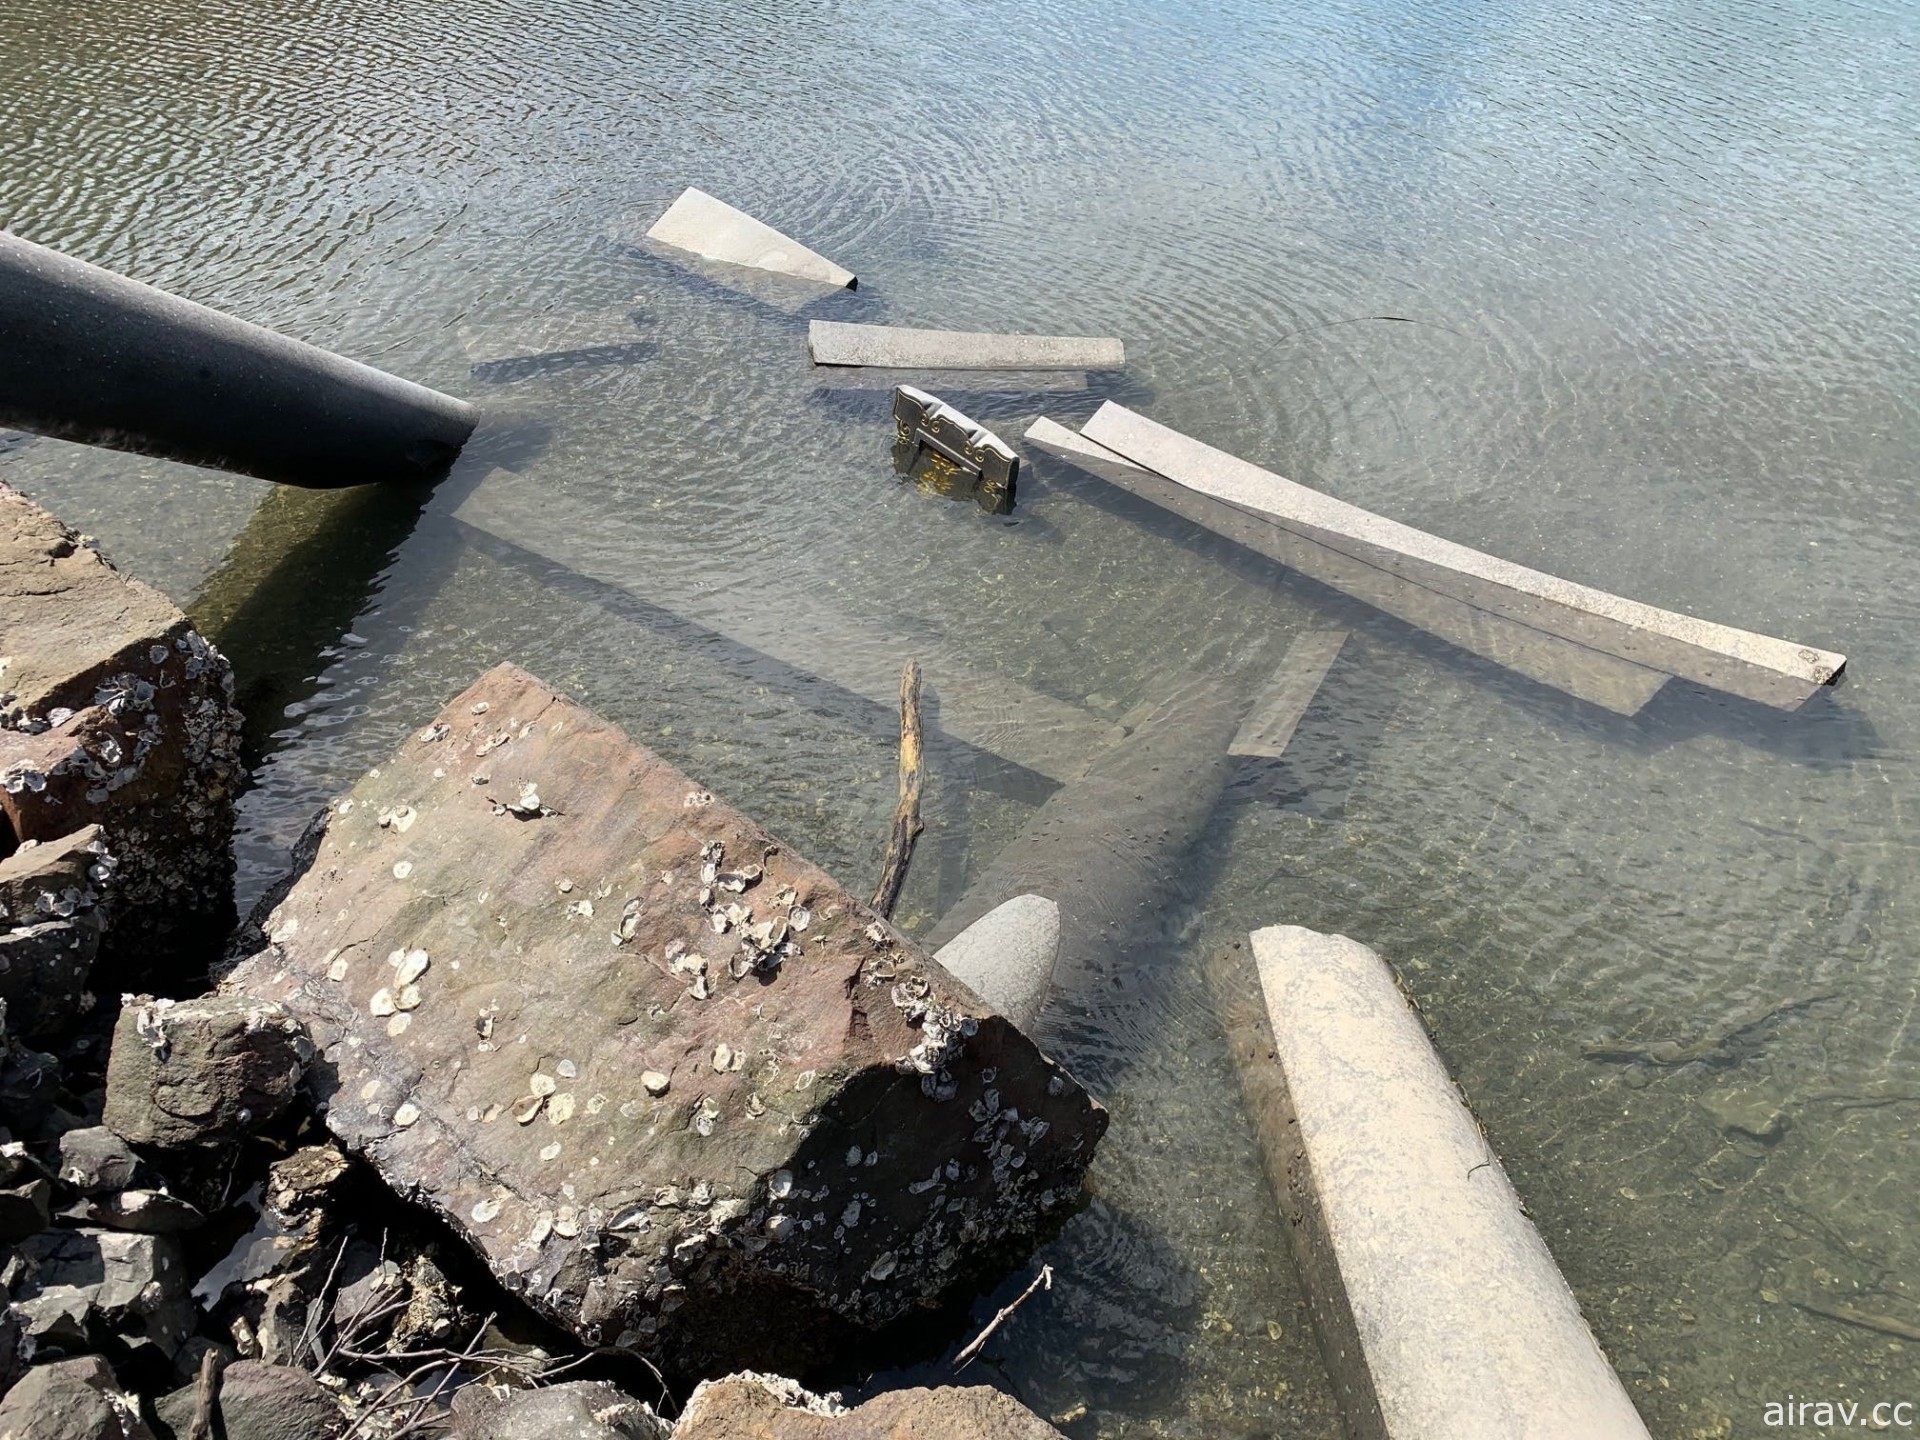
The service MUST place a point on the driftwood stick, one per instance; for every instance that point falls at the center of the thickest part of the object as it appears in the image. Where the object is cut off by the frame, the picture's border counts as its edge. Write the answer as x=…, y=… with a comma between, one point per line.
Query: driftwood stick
x=965, y=1357
x=206, y=1396
x=906, y=815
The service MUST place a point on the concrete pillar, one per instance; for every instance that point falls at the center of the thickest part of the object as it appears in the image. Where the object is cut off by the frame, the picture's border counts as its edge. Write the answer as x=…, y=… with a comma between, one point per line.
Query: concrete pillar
x=95, y=357
x=1441, y=1313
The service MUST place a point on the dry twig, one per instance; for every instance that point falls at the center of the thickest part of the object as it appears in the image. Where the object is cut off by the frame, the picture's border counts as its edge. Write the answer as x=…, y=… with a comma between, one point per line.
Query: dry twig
x=906, y=815
x=1044, y=1280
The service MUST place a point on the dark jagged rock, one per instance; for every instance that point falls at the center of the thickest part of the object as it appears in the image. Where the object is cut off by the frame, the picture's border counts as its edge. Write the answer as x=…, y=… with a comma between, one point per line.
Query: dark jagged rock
x=577, y=1410
x=765, y=1407
x=114, y=710
x=71, y=1400
x=257, y=1402
x=25, y=1210
x=51, y=919
x=678, y=1089
x=80, y=1289
x=201, y=1071
x=95, y=1161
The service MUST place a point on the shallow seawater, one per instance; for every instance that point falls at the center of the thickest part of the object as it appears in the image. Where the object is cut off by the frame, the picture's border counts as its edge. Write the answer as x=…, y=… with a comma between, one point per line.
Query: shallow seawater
x=1628, y=294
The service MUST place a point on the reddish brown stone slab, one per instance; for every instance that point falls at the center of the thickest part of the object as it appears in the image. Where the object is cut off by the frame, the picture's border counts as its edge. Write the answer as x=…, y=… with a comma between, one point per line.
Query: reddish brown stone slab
x=755, y=1407
x=841, y=1136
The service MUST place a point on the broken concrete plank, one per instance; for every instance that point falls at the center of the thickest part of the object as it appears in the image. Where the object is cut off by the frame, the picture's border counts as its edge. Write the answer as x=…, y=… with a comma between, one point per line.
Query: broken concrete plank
x=965, y=382
x=988, y=711
x=542, y=336
x=1269, y=726
x=838, y=342
x=1586, y=674
x=1007, y=956
x=1442, y=1314
x=714, y=230
x=1758, y=667
x=637, y=1053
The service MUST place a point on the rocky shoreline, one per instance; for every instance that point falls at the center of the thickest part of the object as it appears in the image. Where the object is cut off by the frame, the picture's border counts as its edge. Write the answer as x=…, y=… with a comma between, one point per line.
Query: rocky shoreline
x=549, y=1096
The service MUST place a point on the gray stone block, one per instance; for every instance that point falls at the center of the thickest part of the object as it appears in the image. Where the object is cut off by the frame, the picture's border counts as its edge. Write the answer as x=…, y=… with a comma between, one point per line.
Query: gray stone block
x=714, y=230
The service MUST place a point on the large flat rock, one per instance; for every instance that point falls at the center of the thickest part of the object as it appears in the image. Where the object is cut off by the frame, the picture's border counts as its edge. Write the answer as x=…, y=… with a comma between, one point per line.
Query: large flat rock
x=762, y=1407
x=1441, y=1313
x=114, y=711
x=713, y=1140
x=1758, y=667
x=838, y=342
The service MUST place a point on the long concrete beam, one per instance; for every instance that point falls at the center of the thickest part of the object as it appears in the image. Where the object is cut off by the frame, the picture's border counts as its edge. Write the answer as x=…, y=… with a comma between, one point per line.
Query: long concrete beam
x=839, y=342
x=92, y=356
x=1758, y=667
x=1440, y=1310
x=1573, y=669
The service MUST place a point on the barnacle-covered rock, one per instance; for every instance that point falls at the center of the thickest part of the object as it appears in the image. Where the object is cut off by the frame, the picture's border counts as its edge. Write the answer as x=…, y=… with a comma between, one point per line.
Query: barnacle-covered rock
x=114, y=710
x=679, y=1089
x=201, y=1071
x=767, y=1407
x=51, y=917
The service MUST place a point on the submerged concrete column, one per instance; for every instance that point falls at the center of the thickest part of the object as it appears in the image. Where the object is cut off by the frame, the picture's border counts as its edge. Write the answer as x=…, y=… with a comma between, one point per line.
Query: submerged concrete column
x=92, y=356
x=1441, y=1313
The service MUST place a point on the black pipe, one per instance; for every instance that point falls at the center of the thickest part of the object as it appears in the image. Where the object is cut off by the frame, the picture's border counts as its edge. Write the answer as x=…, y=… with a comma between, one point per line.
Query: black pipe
x=92, y=356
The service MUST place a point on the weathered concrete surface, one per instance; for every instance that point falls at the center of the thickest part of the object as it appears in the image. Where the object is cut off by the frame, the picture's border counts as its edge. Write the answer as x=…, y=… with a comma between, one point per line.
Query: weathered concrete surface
x=838, y=342
x=201, y=1071
x=1758, y=667
x=1007, y=956
x=114, y=711
x=659, y=1128
x=1277, y=712
x=500, y=342
x=105, y=360
x=71, y=1400
x=51, y=920
x=1585, y=673
x=1441, y=1313
x=759, y=1407
x=714, y=230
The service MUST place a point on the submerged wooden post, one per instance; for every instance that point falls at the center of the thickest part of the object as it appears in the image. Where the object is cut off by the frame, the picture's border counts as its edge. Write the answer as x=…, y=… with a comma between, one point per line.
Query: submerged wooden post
x=95, y=357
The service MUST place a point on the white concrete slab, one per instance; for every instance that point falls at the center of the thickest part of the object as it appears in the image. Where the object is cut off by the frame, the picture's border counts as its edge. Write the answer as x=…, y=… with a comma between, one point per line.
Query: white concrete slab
x=1007, y=956
x=837, y=342
x=1574, y=669
x=714, y=230
x=1276, y=714
x=1447, y=1318
x=494, y=342
x=1759, y=667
